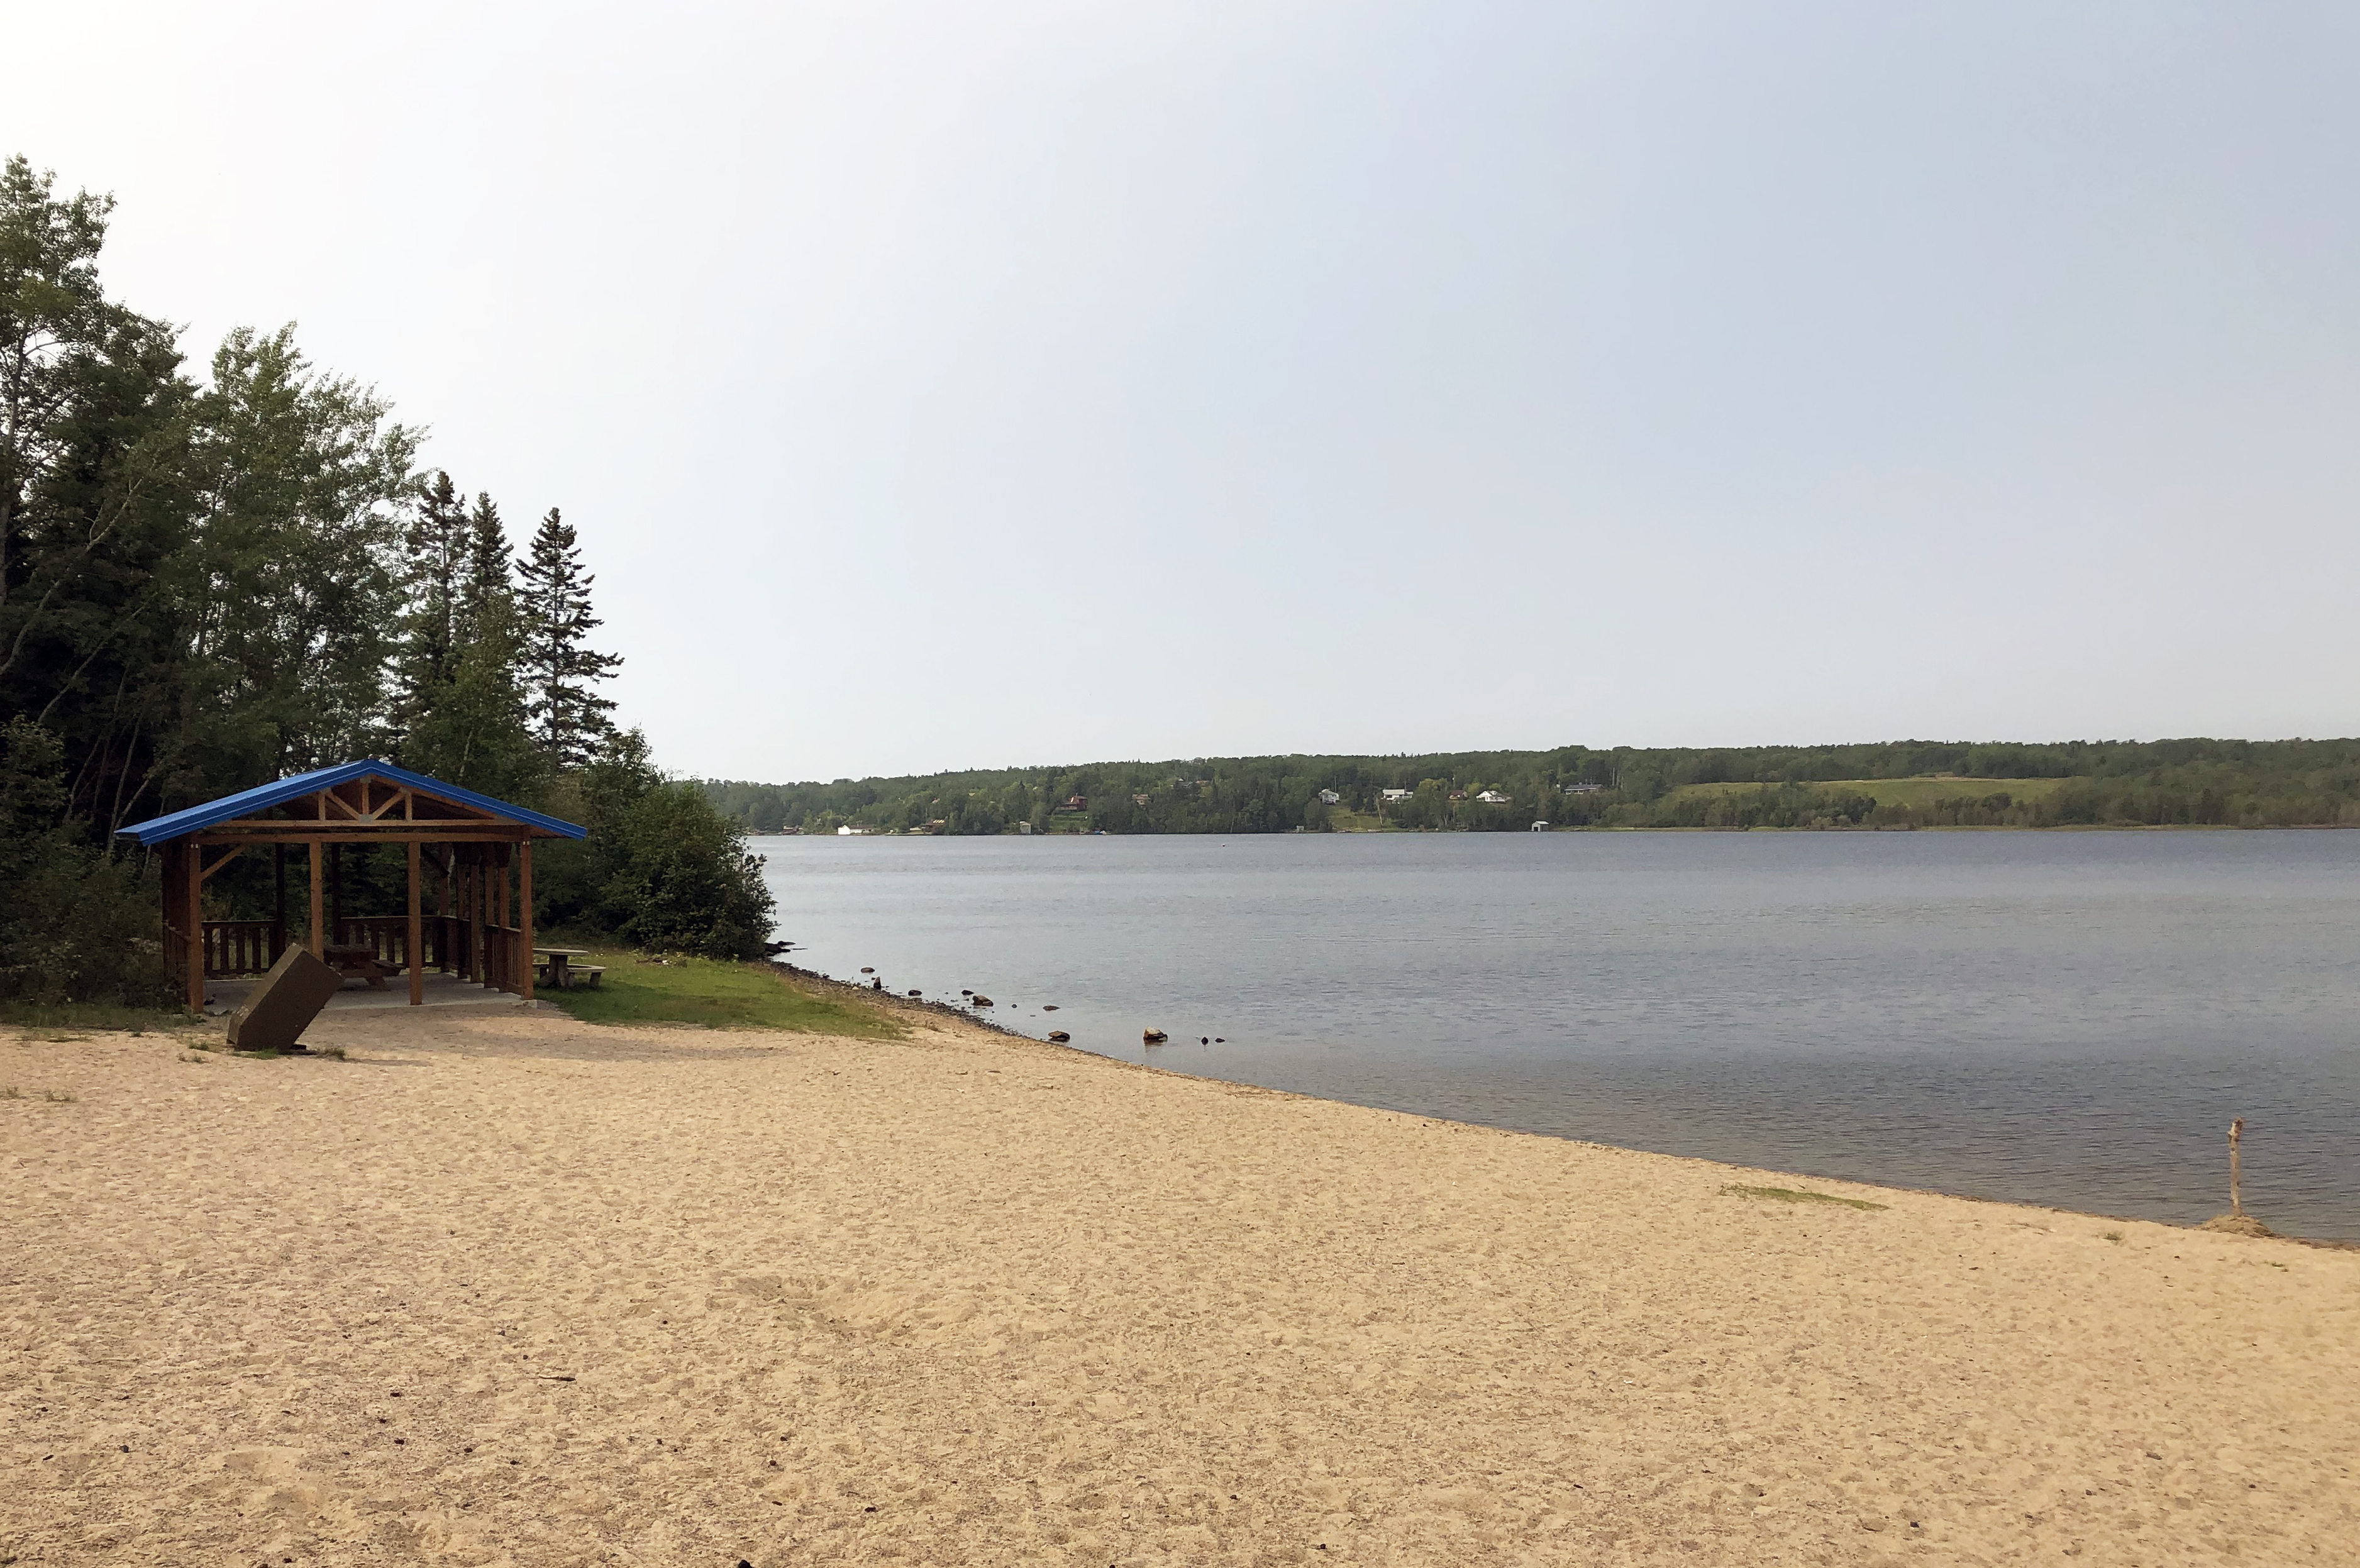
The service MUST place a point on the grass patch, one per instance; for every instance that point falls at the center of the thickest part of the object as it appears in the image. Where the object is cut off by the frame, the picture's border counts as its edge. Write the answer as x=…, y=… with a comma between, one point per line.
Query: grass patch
x=1913, y=792
x=2112, y=1235
x=97, y=1015
x=1796, y=1195
x=714, y=993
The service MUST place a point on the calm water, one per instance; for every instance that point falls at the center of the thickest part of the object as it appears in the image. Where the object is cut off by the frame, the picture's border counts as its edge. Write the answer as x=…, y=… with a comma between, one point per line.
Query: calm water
x=2064, y=1019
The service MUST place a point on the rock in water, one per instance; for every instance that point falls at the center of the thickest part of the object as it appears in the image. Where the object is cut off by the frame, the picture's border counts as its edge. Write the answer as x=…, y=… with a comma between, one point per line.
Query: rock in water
x=1058, y=1037
x=1048, y=1006
x=981, y=1000
x=1153, y=1037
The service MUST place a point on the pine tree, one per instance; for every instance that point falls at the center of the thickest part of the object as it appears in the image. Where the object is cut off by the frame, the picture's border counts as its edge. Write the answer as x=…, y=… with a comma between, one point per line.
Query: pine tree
x=485, y=582
x=468, y=723
x=569, y=717
x=436, y=546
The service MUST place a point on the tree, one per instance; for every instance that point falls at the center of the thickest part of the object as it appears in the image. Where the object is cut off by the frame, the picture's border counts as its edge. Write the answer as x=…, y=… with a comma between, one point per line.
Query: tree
x=468, y=720
x=90, y=495
x=569, y=717
x=489, y=561
x=290, y=609
x=662, y=867
x=473, y=729
x=436, y=549
x=53, y=314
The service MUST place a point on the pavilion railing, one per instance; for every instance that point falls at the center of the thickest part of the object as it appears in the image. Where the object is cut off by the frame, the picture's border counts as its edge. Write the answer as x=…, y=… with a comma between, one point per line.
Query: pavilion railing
x=238, y=947
x=502, y=958
x=235, y=948
x=388, y=938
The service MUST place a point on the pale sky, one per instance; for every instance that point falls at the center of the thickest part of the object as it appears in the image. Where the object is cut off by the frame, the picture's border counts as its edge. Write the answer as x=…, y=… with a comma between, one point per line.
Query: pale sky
x=944, y=385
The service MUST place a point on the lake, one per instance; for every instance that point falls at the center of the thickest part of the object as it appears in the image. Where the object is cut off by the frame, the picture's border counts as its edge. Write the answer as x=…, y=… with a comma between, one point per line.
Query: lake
x=2060, y=1019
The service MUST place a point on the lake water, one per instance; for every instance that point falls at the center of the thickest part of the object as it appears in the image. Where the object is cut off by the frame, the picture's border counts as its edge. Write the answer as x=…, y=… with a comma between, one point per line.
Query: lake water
x=2060, y=1019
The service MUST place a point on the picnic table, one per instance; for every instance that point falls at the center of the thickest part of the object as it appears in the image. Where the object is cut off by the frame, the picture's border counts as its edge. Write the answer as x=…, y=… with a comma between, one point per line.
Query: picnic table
x=358, y=960
x=556, y=959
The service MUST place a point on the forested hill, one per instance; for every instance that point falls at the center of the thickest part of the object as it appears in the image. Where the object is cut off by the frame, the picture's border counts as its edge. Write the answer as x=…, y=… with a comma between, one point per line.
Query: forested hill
x=1899, y=784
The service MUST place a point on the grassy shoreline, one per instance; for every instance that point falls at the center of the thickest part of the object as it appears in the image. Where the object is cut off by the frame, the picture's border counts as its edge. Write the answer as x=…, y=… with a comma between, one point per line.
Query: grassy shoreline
x=662, y=988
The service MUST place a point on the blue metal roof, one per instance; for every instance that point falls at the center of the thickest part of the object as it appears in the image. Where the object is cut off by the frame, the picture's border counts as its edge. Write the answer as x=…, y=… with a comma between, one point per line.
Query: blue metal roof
x=261, y=798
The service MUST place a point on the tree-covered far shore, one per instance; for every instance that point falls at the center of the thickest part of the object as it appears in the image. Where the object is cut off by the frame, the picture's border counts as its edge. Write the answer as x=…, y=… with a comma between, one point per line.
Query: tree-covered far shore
x=1897, y=784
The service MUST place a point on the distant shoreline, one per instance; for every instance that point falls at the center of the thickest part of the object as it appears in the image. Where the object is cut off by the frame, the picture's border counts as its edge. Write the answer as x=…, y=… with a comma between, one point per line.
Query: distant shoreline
x=1901, y=784
x=1611, y=828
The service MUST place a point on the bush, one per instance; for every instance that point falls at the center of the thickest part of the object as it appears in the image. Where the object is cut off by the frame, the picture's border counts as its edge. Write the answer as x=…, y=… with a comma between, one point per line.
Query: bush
x=76, y=923
x=662, y=868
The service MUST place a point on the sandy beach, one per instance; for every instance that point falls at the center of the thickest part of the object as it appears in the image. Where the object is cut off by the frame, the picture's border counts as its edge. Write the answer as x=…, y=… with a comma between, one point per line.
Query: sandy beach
x=501, y=1288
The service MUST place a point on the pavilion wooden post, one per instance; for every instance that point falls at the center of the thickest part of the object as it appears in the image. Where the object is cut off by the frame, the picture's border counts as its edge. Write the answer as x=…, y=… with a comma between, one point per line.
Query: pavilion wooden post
x=278, y=919
x=416, y=932
x=192, y=866
x=474, y=902
x=524, y=914
x=507, y=939
x=335, y=890
x=319, y=900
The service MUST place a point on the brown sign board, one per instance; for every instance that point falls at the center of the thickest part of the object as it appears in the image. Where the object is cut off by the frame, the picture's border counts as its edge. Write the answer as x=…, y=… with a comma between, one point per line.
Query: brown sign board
x=284, y=1002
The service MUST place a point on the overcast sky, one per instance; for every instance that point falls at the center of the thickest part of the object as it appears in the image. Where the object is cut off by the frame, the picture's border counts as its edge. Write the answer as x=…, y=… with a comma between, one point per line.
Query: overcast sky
x=972, y=385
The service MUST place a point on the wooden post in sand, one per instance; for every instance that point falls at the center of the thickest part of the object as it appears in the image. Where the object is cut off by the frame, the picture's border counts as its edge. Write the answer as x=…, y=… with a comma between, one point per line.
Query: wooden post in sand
x=2236, y=1185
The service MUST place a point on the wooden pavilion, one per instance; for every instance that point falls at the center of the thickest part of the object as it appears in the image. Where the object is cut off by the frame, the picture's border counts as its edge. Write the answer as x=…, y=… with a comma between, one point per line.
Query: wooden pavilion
x=468, y=846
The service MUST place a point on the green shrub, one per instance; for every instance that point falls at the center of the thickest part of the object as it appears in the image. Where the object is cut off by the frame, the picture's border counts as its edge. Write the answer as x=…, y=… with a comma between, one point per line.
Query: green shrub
x=662, y=868
x=77, y=924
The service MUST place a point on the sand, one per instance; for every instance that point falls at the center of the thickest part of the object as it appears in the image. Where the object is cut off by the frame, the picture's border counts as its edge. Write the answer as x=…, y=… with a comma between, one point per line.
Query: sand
x=503, y=1288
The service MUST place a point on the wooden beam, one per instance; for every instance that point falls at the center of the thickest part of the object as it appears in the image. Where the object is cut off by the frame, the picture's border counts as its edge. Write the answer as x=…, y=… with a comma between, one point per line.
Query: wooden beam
x=417, y=933
x=371, y=832
x=524, y=914
x=507, y=941
x=207, y=874
x=189, y=858
x=319, y=899
x=472, y=901
x=304, y=827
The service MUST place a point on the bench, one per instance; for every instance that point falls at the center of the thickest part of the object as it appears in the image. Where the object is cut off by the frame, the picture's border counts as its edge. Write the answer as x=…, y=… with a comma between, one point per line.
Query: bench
x=575, y=974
